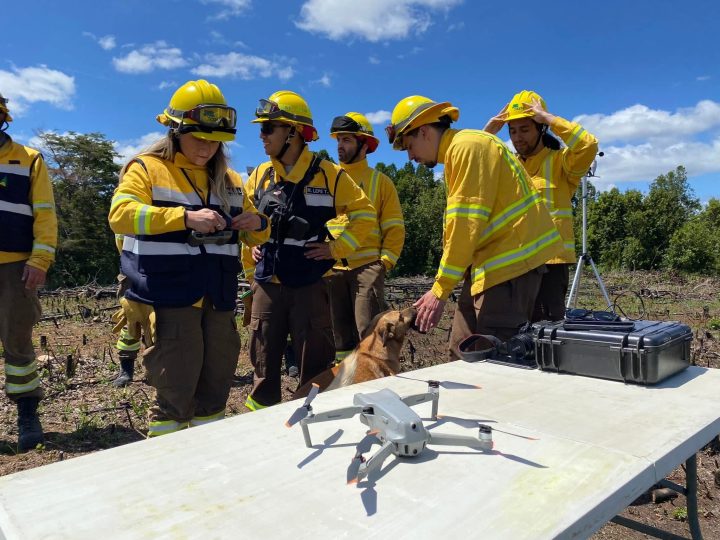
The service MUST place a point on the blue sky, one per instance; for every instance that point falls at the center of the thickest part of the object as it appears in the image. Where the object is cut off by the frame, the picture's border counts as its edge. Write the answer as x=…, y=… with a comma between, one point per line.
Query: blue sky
x=643, y=76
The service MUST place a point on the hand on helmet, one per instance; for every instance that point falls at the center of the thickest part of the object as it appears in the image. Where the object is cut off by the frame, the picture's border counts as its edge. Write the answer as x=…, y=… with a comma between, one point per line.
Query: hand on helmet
x=496, y=123
x=540, y=114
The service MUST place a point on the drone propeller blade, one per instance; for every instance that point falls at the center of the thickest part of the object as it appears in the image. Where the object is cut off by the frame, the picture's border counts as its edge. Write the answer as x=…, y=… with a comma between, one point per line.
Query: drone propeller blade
x=449, y=385
x=516, y=435
x=303, y=410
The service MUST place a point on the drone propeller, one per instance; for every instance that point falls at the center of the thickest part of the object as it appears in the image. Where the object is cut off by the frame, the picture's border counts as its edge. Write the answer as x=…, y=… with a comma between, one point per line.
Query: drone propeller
x=448, y=385
x=362, y=447
x=471, y=423
x=303, y=410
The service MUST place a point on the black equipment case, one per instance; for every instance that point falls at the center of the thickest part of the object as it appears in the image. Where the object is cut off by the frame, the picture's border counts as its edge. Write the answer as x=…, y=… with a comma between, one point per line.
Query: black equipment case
x=648, y=353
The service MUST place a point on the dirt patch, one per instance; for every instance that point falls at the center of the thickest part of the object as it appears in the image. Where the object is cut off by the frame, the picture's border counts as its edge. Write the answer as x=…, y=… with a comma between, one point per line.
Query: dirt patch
x=82, y=413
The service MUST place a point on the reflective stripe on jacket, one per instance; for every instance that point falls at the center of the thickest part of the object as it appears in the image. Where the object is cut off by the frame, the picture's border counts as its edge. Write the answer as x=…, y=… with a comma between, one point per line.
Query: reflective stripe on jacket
x=28, y=224
x=495, y=222
x=557, y=173
x=387, y=236
x=149, y=208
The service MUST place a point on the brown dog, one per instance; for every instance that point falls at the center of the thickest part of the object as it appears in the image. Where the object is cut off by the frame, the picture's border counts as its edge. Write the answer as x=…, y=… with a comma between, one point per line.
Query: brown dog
x=377, y=355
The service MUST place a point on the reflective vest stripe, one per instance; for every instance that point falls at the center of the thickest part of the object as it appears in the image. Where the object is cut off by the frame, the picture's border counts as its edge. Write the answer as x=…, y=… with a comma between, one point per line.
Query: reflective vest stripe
x=447, y=270
x=42, y=205
x=509, y=158
x=226, y=249
x=569, y=245
x=516, y=255
x=395, y=222
x=120, y=197
x=293, y=242
x=126, y=342
x=12, y=388
x=143, y=247
x=349, y=239
x=233, y=199
x=22, y=209
x=389, y=255
x=20, y=371
x=548, y=172
x=511, y=212
x=373, y=187
x=365, y=252
x=467, y=210
x=362, y=215
x=20, y=170
x=166, y=194
x=562, y=213
x=576, y=137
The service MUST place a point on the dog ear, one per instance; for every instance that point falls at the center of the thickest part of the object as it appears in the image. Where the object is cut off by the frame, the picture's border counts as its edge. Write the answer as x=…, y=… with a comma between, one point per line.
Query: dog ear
x=387, y=332
x=371, y=327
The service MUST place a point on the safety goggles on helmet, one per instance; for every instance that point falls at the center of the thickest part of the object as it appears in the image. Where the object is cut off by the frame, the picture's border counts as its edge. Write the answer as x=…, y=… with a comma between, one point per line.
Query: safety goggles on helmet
x=270, y=110
x=207, y=118
x=345, y=124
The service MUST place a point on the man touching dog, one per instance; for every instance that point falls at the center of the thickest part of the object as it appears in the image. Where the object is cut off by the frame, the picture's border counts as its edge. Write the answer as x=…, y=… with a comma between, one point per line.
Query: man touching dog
x=357, y=283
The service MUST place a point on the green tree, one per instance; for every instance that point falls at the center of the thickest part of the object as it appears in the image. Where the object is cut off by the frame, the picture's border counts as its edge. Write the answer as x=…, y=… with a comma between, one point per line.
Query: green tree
x=84, y=176
x=695, y=247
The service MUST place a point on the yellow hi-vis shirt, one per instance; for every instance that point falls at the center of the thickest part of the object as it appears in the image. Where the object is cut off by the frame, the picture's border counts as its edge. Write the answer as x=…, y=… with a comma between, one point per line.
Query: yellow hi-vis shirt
x=16, y=159
x=495, y=221
x=346, y=195
x=386, y=239
x=556, y=175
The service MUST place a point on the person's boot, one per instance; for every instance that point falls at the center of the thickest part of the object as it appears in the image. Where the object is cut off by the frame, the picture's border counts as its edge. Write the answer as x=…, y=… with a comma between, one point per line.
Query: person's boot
x=127, y=368
x=30, y=432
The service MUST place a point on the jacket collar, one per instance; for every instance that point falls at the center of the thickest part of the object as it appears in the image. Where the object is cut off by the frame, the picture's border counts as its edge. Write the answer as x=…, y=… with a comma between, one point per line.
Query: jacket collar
x=298, y=170
x=445, y=141
x=184, y=163
x=356, y=167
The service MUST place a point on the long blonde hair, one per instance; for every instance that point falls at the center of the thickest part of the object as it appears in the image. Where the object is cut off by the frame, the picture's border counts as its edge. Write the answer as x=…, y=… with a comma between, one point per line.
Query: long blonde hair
x=217, y=167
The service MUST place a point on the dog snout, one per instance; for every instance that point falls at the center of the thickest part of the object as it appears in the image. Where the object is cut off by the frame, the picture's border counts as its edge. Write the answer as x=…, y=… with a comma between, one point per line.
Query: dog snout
x=409, y=314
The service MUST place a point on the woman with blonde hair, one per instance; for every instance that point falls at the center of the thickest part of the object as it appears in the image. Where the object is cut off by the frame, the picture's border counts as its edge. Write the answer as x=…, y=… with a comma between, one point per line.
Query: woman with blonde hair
x=183, y=212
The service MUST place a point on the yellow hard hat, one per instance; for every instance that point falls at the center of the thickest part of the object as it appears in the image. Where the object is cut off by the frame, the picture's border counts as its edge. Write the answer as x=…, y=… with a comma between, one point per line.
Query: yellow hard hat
x=199, y=107
x=415, y=111
x=4, y=108
x=520, y=103
x=289, y=107
x=355, y=124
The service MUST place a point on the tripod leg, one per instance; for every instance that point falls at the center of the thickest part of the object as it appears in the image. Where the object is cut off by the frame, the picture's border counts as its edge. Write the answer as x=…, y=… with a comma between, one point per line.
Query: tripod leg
x=600, y=282
x=572, y=297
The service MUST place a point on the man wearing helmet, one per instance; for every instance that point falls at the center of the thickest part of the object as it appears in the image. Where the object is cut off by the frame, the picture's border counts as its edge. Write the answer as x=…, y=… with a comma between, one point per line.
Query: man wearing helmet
x=357, y=286
x=28, y=237
x=300, y=193
x=182, y=211
x=556, y=173
x=497, y=234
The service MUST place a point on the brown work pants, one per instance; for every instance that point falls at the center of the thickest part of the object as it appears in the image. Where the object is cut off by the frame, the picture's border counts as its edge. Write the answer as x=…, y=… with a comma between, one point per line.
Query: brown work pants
x=192, y=362
x=304, y=313
x=550, y=302
x=499, y=311
x=19, y=312
x=356, y=296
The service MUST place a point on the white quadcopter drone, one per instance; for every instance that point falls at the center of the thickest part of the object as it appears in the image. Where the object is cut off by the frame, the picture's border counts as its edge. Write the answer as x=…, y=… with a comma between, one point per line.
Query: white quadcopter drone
x=393, y=423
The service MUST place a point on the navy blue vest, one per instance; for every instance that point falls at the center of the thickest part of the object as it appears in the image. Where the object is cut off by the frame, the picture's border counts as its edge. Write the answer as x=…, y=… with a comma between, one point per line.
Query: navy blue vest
x=16, y=212
x=165, y=271
x=284, y=254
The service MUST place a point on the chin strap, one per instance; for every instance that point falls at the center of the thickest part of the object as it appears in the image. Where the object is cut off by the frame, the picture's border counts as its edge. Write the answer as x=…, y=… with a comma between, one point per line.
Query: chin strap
x=288, y=140
x=4, y=126
x=360, y=144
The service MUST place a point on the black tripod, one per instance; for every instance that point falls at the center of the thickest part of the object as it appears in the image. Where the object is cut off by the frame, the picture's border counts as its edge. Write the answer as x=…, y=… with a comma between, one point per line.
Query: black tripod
x=585, y=257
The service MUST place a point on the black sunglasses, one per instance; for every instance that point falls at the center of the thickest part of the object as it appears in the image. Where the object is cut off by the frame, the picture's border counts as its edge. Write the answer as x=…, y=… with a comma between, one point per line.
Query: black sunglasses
x=588, y=314
x=268, y=128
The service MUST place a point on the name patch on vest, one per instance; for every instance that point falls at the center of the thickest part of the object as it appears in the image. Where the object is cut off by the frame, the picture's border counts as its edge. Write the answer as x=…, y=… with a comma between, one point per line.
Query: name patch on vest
x=318, y=196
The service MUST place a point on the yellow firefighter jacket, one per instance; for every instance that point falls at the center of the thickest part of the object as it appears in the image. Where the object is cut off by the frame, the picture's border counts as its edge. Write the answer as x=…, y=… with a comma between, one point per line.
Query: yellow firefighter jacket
x=495, y=221
x=28, y=223
x=387, y=236
x=556, y=175
x=331, y=187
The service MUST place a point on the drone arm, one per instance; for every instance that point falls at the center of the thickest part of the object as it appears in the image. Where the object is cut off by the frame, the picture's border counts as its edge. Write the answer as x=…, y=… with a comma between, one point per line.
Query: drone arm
x=337, y=414
x=376, y=460
x=416, y=399
x=459, y=440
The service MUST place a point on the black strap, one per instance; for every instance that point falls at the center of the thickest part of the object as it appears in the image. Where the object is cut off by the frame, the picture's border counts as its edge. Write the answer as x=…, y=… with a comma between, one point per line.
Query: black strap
x=309, y=175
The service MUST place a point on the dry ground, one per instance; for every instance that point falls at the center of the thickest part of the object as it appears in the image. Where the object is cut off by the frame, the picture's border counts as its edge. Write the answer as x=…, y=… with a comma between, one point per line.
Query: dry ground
x=82, y=413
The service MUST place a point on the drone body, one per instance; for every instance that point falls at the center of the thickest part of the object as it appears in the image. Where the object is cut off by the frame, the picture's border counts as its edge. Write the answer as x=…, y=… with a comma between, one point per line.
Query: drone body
x=392, y=423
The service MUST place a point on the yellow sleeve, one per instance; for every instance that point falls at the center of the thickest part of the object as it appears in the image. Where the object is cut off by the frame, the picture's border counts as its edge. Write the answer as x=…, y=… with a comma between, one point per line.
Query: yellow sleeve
x=253, y=238
x=351, y=200
x=581, y=148
x=392, y=224
x=248, y=263
x=471, y=177
x=45, y=227
x=132, y=212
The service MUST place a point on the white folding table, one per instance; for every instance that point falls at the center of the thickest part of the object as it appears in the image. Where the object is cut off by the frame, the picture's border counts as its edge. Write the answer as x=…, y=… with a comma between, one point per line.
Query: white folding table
x=599, y=445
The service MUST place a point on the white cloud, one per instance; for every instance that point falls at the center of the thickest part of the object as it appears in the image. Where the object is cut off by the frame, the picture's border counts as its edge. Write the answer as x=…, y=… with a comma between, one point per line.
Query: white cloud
x=166, y=84
x=23, y=86
x=158, y=55
x=372, y=20
x=129, y=148
x=703, y=78
x=647, y=161
x=228, y=8
x=378, y=118
x=640, y=122
x=324, y=80
x=106, y=42
x=243, y=66
x=374, y=60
